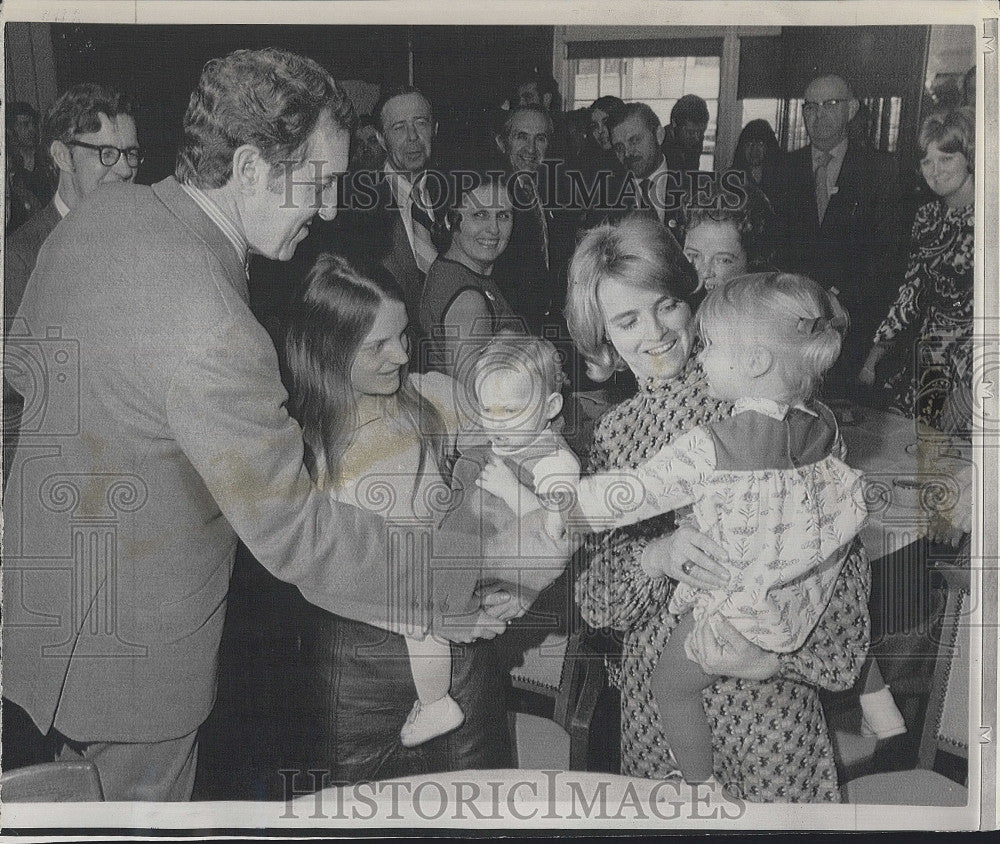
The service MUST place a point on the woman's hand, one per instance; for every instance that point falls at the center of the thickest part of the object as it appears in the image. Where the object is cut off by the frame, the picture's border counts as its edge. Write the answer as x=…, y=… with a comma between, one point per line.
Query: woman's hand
x=731, y=654
x=688, y=557
x=497, y=479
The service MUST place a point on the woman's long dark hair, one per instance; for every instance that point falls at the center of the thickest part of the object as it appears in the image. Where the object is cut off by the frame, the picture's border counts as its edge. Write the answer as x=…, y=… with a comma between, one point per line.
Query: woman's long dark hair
x=337, y=311
x=756, y=130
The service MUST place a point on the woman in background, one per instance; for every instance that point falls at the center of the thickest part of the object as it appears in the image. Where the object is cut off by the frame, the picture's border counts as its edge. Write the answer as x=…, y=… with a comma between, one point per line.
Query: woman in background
x=756, y=147
x=461, y=306
x=934, y=382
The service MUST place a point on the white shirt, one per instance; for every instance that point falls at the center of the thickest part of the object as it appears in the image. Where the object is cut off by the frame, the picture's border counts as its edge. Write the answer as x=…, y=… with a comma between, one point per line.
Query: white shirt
x=402, y=188
x=225, y=224
x=61, y=206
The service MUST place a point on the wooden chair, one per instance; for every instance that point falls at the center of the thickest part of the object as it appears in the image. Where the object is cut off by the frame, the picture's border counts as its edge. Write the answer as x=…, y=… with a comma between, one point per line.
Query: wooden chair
x=556, y=684
x=946, y=721
x=52, y=782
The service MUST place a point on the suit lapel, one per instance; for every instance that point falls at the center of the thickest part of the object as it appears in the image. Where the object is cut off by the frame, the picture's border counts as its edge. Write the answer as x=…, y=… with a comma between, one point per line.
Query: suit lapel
x=172, y=195
x=849, y=188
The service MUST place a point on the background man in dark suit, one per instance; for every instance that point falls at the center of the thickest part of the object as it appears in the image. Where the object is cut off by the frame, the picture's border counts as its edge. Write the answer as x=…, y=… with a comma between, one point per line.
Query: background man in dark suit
x=637, y=138
x=84, y=117
x=389, y=215
x=840, y=220
x=528, y=266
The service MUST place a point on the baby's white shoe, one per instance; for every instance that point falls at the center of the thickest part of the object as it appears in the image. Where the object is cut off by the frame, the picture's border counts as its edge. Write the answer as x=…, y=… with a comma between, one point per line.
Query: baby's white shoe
x=880, y=717
x=430, y=721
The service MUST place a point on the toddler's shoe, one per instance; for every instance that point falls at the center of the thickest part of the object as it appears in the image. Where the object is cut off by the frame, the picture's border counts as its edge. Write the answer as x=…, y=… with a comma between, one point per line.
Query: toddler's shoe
x=880, y=717
x=430, y=721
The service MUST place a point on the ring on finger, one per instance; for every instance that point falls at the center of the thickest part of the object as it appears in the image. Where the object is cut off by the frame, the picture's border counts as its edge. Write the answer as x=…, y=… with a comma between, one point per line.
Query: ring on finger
x=687, y=567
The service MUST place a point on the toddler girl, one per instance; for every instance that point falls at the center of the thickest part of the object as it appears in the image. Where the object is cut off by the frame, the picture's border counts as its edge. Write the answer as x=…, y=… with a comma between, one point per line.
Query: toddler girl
x=768, y=484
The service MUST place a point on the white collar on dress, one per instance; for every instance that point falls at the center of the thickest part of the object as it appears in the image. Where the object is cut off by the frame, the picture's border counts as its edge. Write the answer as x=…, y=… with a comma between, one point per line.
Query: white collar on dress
x=769, y=407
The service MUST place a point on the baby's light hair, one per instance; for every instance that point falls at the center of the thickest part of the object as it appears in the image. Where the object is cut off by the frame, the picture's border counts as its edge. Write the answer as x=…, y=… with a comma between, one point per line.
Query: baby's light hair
x=791, y=315
x=512, y=350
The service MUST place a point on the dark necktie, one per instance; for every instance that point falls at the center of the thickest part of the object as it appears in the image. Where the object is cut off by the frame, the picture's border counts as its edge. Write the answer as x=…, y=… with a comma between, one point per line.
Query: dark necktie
x=645, y=199
x=822, y=188
x=423, y=247
x=529, y=197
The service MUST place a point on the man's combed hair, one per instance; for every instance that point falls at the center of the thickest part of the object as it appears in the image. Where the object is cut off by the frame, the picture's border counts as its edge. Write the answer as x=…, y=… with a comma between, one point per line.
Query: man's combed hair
x=390, y=94
x=78, y=111
x=647, y=115
x=271, y=99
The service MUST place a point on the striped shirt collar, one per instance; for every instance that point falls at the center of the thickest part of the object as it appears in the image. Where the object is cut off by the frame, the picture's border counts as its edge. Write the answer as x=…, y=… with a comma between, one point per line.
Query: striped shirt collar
x=225, y=224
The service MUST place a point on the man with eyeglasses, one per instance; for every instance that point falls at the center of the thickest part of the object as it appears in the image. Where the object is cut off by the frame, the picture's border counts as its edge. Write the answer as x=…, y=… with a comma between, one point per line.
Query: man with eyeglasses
x=92, y=141
x=840, y=219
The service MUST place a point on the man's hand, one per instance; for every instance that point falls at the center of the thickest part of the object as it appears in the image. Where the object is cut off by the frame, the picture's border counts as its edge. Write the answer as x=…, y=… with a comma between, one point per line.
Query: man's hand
x=480, y=625
x=507, y=603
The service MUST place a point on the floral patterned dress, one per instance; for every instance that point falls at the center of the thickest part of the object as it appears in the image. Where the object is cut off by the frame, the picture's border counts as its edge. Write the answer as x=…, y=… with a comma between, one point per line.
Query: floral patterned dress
x=770, y=739
x=935, y=300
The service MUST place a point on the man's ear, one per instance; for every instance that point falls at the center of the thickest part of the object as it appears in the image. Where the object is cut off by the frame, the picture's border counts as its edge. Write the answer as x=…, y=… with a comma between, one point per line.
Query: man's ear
x=553, y=406
x=852, y=109
x=661, y=133
x=381, y=138
x=501, y=143
x=758, y=361
x=435, y=130
x=250, y=170
x=61, y=156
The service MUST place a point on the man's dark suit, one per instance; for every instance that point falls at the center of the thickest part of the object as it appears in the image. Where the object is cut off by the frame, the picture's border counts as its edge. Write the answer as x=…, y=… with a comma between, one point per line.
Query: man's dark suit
x=857, y=248
x=370, y=224
x=21, y=253
x=536, y=287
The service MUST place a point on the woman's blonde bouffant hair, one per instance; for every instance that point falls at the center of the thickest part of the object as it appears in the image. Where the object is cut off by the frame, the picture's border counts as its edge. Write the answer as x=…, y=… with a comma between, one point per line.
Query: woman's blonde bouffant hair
x=637, y=251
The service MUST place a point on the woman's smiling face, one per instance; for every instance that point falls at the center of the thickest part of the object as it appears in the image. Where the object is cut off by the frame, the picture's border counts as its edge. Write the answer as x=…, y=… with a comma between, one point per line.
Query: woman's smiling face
x=651, y=330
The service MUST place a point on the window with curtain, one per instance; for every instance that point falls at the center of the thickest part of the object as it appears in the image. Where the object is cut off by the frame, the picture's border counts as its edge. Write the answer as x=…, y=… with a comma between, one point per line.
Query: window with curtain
x=882, y=64
x=657, y=72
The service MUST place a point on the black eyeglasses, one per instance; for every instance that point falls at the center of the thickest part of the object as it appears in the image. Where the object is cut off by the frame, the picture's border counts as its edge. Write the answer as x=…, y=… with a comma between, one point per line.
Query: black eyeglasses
x=110, y=155
x=809, y=107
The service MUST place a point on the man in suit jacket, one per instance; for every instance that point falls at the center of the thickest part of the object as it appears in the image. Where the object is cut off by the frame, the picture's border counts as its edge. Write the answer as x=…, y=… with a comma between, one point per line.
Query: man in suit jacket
x=388, y=216
x=840, y=220
x=85, y=119
x=650, y=186
x=164, y=435
x=531, y=271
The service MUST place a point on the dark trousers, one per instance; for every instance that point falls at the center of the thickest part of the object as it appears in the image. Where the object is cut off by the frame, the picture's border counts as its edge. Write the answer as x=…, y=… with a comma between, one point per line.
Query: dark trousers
x=369, y=690
x=301, y=689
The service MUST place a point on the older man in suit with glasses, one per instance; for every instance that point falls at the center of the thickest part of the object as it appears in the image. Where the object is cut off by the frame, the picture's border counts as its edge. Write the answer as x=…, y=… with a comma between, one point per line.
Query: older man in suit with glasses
x=840, y=220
